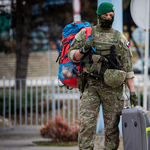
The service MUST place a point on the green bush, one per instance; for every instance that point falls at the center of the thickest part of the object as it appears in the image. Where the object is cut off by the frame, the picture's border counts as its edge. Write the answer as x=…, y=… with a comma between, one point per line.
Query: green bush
x=23, y=100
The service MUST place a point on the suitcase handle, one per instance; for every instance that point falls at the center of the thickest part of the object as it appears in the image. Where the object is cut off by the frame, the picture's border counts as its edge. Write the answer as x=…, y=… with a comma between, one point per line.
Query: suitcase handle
x=127, y=107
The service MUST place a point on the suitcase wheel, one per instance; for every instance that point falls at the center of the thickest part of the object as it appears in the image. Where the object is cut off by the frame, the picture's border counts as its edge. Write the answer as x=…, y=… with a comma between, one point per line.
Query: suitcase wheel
x=135, y=124
x=125, y=124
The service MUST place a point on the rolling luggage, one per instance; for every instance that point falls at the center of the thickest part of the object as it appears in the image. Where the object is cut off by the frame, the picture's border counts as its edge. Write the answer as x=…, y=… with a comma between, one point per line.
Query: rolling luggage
x=136, y=128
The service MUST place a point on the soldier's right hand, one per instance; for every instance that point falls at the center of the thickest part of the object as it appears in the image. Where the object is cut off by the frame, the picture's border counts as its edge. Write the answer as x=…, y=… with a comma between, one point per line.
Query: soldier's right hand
x=88, y=44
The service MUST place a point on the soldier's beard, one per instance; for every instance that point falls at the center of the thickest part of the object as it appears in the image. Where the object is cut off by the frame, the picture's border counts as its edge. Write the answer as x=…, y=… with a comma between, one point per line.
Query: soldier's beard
x=105, y=23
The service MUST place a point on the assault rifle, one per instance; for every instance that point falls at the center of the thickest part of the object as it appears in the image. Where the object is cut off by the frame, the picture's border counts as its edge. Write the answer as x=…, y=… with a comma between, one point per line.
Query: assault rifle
x=113, y=61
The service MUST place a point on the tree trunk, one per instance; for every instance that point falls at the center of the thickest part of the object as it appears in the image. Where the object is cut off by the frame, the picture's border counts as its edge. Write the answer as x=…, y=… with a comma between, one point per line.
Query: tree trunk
x=22, y=45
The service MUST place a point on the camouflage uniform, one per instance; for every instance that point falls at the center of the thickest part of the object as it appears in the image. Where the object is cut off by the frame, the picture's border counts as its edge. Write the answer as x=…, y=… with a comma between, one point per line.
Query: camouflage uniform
x=96, y=91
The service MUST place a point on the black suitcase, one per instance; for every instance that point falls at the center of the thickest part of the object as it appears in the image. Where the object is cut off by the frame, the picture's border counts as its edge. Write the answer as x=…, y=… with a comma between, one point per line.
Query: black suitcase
x=136, y=128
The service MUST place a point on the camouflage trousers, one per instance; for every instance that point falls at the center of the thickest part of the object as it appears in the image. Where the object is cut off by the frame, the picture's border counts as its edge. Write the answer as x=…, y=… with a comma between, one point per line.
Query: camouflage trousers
x=112, y=102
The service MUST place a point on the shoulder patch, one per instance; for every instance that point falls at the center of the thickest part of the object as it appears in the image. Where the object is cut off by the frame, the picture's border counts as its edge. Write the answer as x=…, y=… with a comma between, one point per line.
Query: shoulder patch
x=79, y=36
x=128, y=44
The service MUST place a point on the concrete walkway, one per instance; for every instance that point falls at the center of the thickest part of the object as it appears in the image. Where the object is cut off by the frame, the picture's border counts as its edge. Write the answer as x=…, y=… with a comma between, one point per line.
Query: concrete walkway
x=16, y=140
x=24, y=140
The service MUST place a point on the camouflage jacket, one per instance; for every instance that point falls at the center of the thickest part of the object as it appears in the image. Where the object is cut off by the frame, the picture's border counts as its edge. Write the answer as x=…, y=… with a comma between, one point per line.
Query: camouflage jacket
x=103, y=39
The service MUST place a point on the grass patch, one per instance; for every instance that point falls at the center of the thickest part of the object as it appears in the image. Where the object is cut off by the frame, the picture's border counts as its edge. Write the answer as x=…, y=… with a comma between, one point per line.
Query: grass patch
x=48, y=143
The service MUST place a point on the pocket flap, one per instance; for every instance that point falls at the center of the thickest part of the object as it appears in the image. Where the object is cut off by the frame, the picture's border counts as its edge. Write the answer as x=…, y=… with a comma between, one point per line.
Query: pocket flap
x=96, y=58
x=121, y=97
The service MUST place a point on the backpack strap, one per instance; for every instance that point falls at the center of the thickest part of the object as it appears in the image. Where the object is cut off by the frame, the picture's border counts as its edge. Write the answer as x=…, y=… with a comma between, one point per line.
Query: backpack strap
x=88, y=32
x=116, y=41
x=116, y=37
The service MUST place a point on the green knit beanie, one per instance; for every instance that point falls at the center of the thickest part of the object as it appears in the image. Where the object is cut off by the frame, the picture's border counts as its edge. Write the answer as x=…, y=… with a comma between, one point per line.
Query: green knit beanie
x=104, y=8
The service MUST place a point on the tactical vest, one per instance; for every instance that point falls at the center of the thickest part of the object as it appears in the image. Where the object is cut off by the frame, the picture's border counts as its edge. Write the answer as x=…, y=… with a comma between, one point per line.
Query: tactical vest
x=95, y=62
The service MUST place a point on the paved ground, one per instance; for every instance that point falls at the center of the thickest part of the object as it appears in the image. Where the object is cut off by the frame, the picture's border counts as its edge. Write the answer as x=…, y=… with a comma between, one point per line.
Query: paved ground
x=24, y=140
x=16, y=140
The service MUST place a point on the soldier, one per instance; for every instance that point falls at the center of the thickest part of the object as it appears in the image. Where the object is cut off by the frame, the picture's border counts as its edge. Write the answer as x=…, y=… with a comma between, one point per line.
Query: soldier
x=104, y=71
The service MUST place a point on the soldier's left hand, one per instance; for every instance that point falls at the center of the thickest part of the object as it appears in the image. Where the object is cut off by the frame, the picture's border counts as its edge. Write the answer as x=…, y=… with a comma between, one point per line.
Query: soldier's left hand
x=133, y=98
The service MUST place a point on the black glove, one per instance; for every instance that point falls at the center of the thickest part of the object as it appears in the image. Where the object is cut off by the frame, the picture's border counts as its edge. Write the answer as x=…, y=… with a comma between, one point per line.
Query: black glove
x=133, y=98
x=88, y=44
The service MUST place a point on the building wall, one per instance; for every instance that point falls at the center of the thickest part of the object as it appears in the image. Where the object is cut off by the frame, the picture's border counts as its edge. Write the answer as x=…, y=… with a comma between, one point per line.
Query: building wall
x=40, y=64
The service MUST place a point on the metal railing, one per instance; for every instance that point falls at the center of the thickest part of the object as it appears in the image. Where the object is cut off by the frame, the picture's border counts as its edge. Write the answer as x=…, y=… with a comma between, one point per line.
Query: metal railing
x=34, y=102
x=27, y=104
